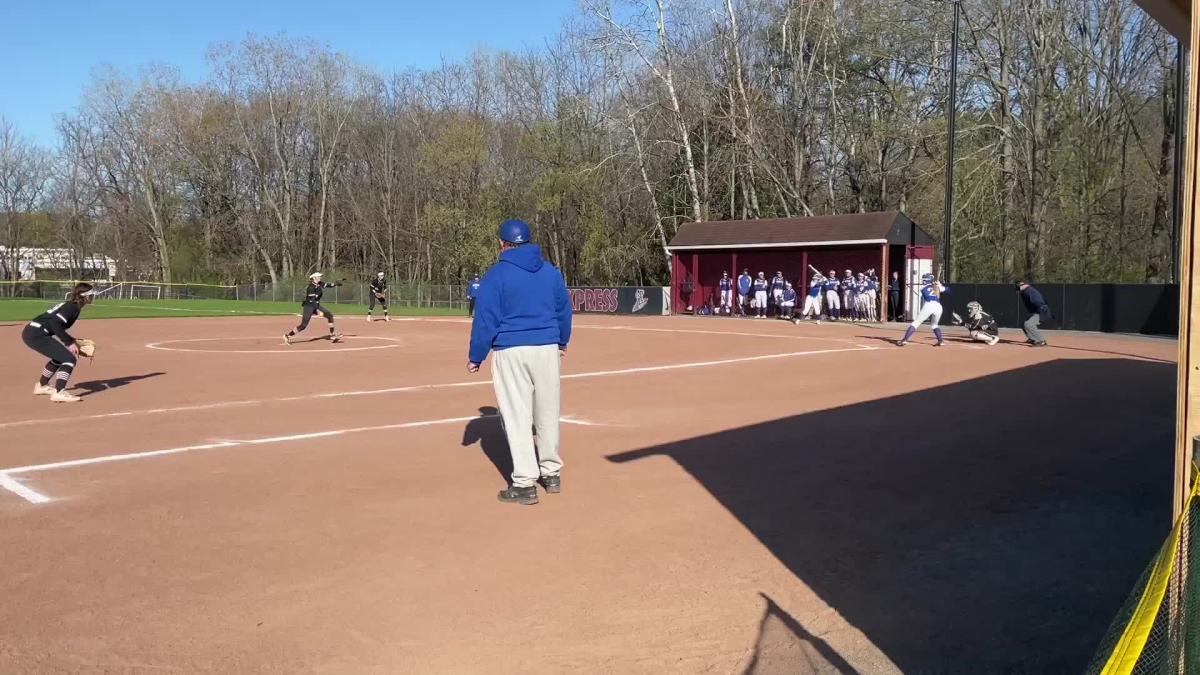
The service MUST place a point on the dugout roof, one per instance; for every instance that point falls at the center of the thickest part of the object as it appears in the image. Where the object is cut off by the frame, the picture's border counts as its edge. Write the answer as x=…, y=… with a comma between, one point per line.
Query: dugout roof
x=851, y=229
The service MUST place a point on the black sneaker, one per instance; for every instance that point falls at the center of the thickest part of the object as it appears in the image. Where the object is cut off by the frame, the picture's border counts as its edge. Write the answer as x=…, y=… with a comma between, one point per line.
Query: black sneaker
x=519, y=495
x=1041, y=343
x=553, y=484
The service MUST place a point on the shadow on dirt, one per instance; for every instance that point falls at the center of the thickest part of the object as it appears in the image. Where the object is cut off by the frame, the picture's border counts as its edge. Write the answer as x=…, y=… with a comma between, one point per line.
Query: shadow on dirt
x=991, y=525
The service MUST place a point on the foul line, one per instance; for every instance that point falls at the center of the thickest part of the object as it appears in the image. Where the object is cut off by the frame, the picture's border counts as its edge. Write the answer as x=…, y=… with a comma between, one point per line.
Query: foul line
x=32, y=496
x=428, y=387
x=12, y=485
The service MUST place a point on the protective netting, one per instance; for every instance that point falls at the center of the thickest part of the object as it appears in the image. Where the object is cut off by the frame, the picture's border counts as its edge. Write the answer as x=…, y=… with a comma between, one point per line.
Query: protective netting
x=1157, y=630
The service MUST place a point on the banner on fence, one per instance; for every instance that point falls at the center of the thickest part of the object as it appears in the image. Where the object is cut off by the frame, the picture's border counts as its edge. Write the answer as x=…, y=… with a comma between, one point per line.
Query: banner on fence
x=647, y=300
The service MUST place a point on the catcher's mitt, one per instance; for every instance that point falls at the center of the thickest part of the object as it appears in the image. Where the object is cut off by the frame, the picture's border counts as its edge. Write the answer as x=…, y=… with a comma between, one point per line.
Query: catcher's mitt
x=86, y=347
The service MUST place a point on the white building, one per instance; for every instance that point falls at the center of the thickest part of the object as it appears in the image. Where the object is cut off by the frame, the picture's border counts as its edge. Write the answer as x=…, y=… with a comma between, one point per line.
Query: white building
x=57, y=263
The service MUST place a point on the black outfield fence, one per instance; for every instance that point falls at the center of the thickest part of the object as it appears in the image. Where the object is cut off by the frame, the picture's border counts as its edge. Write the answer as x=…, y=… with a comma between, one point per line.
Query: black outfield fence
x=1152, y=309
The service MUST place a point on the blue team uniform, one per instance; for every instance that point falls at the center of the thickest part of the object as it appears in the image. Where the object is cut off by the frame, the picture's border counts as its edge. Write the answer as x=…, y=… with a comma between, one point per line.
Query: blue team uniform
x=931, y=308
x=725, y=284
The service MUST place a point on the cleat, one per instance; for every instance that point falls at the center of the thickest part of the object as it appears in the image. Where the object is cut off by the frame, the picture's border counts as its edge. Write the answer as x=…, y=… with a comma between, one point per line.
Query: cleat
x=64, y=397
x=553, y=484
x=336, y=338
x=900, y=343
x=1041, y=343
x=387, y=318
x=287, y=339
x=519, y=495
x=939, y=344
x=42, y=390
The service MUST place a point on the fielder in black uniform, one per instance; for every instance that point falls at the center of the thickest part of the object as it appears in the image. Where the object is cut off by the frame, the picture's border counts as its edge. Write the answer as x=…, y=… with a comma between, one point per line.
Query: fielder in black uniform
x=312, y=305
x=378, y=294
x=39, y=335
x=979, y=324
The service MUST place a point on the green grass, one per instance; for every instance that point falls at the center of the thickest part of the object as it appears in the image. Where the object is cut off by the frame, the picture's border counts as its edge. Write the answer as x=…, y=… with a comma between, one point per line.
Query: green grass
x=24, y=309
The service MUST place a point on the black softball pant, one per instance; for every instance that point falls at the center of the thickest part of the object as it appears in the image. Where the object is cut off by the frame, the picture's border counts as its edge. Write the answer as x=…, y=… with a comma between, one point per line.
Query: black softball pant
x=62, y=362
x=376, y=299
x=37, y=340
x=309, y=310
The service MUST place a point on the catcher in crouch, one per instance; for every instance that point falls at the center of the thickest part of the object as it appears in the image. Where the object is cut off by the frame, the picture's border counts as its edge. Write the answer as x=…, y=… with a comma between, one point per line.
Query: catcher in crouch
x=39, y=335
x=312, y=305
x=980, y=324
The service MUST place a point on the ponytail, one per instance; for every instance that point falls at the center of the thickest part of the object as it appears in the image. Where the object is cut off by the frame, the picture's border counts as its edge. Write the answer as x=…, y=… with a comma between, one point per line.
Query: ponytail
x=81, y=293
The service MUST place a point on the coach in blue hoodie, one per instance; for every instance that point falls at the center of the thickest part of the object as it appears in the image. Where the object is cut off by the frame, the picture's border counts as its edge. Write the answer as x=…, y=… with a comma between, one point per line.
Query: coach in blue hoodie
x=523, y=314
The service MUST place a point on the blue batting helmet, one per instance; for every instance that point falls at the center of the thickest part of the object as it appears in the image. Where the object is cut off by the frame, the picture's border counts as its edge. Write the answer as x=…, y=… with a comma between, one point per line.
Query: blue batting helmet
x=515, y=232
x=927, y=278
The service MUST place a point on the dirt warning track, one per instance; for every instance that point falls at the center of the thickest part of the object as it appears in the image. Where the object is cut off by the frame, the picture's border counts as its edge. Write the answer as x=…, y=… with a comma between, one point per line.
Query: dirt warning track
x=738, y=496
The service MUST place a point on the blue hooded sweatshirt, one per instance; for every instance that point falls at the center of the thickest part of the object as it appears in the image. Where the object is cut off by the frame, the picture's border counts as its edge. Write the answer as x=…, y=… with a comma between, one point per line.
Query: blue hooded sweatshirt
x=523, y=301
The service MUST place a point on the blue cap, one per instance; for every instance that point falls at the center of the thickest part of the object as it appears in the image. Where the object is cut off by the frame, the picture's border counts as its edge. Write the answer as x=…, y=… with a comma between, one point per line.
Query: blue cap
x=515, y=232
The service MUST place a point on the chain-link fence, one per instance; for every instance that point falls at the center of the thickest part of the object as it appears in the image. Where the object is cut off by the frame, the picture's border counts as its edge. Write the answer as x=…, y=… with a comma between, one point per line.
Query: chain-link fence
x=399, y=295
x=123, y=290
x=1157, y=630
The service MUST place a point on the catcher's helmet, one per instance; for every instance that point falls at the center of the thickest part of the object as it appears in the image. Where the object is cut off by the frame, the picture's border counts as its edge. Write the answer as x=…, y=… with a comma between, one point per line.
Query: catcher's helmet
x=515, y=232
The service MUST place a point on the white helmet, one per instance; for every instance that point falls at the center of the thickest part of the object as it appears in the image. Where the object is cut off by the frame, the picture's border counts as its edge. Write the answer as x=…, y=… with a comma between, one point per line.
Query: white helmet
x=315, y=275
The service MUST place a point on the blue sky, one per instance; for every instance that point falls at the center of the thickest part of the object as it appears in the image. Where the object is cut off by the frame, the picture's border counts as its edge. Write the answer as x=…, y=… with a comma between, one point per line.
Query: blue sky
x=52, y=46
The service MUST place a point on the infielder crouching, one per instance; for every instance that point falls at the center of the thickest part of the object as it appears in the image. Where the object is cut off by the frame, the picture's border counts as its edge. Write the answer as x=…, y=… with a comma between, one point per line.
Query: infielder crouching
x=39, y=335
x=378, y=293
x=523, y=316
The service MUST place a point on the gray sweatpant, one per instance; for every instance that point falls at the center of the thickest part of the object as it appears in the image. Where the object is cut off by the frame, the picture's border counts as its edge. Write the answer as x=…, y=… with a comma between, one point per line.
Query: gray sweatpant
x=526, y=380
x=1031, y=328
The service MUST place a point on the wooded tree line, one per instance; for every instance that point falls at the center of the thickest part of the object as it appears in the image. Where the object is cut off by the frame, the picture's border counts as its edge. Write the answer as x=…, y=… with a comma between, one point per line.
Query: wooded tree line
x=640, y=115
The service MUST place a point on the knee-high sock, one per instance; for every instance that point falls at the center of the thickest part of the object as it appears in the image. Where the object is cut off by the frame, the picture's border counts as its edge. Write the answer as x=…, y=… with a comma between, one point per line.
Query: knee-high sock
x=48, y=372
x=909, y=333
x=63, y=374
x=937, y=332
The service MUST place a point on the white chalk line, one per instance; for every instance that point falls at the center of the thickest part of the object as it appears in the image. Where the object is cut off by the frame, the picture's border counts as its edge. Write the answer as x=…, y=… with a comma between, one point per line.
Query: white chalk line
x=425, y=387
x=643, y=329
x=14, y=486
x=286, y=350
x=32, y=496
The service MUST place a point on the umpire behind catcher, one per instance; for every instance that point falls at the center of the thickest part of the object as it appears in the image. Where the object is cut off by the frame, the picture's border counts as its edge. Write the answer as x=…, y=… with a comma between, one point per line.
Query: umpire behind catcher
x=523, y=314
x=1038, y=310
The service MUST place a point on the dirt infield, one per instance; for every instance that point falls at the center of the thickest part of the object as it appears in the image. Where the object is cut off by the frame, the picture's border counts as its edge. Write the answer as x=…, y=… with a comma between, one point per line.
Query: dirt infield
x=739, y=497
